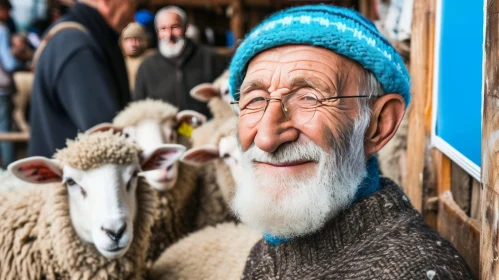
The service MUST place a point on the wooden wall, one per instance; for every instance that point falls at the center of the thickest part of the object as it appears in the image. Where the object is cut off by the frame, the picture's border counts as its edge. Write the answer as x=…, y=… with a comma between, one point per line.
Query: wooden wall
x=489, y=245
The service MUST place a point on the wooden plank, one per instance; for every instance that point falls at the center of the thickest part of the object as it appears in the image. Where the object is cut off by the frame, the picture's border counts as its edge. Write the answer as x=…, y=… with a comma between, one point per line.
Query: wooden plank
x=431, y=58
x=460, y=230
x=476, y=191
x=237, y=19
x=14, y=137
x=443, y=165
x=461, y=187
x=419, y=72
x=489, y=245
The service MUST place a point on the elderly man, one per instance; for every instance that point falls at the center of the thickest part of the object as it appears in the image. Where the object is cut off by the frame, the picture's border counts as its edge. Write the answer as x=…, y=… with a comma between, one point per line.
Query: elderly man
x=179, y=66
x=320, y=91
x=81, y=78
x=134, y=45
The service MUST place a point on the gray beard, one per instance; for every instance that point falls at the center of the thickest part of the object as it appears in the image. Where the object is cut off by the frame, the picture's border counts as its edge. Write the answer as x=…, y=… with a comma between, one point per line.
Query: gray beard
x=304, y=204
x=170, y=51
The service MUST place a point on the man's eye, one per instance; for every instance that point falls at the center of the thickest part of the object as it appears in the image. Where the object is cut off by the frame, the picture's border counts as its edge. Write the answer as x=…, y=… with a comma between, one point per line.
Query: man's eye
x=256, y=103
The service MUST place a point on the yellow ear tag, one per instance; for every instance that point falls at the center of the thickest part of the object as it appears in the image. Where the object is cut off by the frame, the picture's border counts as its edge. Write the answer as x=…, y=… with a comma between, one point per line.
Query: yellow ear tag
x=185, y=129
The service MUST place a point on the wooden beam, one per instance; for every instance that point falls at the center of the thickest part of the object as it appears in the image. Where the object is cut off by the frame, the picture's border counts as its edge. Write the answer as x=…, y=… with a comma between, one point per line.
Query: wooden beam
x=489, y=245
x=462, y=231
x=14, y=137
x=237, y=19
x=419, y=69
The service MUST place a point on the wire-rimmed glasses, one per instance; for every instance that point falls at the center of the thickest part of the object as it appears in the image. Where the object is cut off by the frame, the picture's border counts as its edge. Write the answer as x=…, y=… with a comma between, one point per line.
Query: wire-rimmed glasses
x=298, y=107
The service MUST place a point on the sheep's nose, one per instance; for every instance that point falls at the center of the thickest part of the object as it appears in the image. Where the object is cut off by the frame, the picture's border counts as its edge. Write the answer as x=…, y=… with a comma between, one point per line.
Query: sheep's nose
x=115, y=235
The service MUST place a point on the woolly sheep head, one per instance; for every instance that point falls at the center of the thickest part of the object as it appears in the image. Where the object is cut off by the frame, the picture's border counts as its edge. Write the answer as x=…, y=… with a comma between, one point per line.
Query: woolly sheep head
x=219, y=88
x=100, y=172
x=149, y=123
x=224, y=147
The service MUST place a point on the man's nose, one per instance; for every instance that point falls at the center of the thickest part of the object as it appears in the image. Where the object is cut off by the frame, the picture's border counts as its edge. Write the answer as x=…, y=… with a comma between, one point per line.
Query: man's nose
x=274, y=129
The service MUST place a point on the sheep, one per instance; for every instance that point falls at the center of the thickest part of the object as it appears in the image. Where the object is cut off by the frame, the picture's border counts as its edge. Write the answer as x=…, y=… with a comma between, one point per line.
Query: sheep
x=149, y=123
x=216, y=252
x=152, y=122
x=205, y=142
x=91, y=222
x=224, y=153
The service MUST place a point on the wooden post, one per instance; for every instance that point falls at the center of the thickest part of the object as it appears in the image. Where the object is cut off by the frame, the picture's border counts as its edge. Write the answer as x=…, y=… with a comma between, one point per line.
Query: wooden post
x=237, y=19
x=419, y=69
x=489, y=240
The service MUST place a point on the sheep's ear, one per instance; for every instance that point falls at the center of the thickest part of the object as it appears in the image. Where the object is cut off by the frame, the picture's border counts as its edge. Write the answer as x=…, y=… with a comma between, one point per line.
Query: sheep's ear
x=200, y=155
x=193, y=118
x=102, y=128
x=36, y=170
x=204, y=92
x=161, y=157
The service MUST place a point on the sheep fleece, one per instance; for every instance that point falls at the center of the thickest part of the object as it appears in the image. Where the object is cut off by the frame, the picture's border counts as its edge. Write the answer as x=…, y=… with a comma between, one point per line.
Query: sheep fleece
x=218, y=252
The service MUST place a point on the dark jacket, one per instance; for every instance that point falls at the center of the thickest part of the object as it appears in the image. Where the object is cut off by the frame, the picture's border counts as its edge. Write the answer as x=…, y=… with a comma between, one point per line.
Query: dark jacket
x=380, y=237
x=171, y=80
x=80, y=81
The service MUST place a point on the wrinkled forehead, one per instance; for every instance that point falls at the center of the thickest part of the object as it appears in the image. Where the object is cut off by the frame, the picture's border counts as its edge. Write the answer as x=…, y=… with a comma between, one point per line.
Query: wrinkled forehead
x=104, y=175
x=289, y=64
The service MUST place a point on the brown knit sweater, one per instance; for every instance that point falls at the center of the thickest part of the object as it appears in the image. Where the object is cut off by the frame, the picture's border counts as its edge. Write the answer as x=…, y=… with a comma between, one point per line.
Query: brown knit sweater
x=380, y=237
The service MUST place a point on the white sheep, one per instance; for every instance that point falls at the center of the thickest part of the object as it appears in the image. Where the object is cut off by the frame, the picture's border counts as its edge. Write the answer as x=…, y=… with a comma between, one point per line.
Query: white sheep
x=92, y=222
x=153, y=122
x=223, y=152
x=216, y=179
x=217, y=252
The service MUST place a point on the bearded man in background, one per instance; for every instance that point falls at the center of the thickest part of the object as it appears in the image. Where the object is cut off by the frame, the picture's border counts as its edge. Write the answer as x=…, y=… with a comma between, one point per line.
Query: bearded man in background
x=179, y=65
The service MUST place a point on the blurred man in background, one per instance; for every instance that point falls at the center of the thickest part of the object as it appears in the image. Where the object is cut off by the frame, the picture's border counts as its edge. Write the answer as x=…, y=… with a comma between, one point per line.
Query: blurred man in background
x=179, y=66
x=8, y=64
x=134, y=44
x=81, y=78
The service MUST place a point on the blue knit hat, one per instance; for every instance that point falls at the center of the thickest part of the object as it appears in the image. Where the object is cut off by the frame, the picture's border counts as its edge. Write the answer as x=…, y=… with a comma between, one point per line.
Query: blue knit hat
x=341, y=30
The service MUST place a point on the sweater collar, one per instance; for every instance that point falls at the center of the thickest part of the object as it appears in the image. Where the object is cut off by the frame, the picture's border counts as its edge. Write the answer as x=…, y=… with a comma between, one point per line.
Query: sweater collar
x=369, y=185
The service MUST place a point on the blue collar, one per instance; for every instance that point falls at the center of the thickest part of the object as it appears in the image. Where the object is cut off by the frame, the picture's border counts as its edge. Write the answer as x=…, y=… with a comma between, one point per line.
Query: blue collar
x=369, y=185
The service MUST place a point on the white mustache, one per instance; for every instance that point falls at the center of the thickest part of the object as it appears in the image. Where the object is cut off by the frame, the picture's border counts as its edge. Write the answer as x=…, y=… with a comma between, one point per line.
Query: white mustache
x=286, y=153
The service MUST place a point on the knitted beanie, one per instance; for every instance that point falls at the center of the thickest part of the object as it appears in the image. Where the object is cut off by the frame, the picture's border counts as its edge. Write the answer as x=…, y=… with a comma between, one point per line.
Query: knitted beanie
x=341, y=30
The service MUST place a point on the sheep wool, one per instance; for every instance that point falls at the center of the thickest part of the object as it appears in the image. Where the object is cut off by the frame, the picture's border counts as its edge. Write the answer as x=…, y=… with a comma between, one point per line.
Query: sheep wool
x=176, y=212
x=216, y=184
x=38, y=241
x=145, y=109
x=218, y=252
x=93, y=150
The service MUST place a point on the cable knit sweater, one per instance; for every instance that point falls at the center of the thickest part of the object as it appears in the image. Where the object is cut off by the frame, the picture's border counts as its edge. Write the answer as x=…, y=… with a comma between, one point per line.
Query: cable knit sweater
x=380, y=237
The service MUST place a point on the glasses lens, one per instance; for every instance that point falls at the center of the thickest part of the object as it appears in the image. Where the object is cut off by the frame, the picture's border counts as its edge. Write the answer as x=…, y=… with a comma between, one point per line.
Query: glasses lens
x=252, y=111
x=301, y=107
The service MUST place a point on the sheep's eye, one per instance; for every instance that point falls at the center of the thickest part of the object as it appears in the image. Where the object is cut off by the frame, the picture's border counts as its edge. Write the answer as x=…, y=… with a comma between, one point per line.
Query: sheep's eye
x=130, y=182
x=126, y=135
x=226, y=92
x=70, y=182
x=226, y=156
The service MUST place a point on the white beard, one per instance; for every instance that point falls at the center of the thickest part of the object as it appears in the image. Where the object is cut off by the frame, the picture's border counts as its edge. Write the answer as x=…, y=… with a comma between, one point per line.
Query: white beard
x=171, y=51
x=303, y=204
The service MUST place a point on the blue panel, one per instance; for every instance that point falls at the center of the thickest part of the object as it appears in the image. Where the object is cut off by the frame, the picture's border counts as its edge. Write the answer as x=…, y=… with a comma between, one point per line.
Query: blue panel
x=459, y=113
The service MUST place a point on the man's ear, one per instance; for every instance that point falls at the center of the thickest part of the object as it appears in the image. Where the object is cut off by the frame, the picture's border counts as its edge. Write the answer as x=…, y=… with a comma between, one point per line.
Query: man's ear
x=387, y=114
x=36, y=170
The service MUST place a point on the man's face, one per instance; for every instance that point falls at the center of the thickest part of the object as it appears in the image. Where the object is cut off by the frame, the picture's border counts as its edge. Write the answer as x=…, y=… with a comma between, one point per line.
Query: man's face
x=170, y=27
x=300, y=173
x=133, y=46
x=119, y=13
x=4, y=14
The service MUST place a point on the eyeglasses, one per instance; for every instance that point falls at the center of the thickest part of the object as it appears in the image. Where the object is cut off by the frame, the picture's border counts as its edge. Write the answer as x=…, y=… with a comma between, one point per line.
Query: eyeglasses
x=298, y=107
